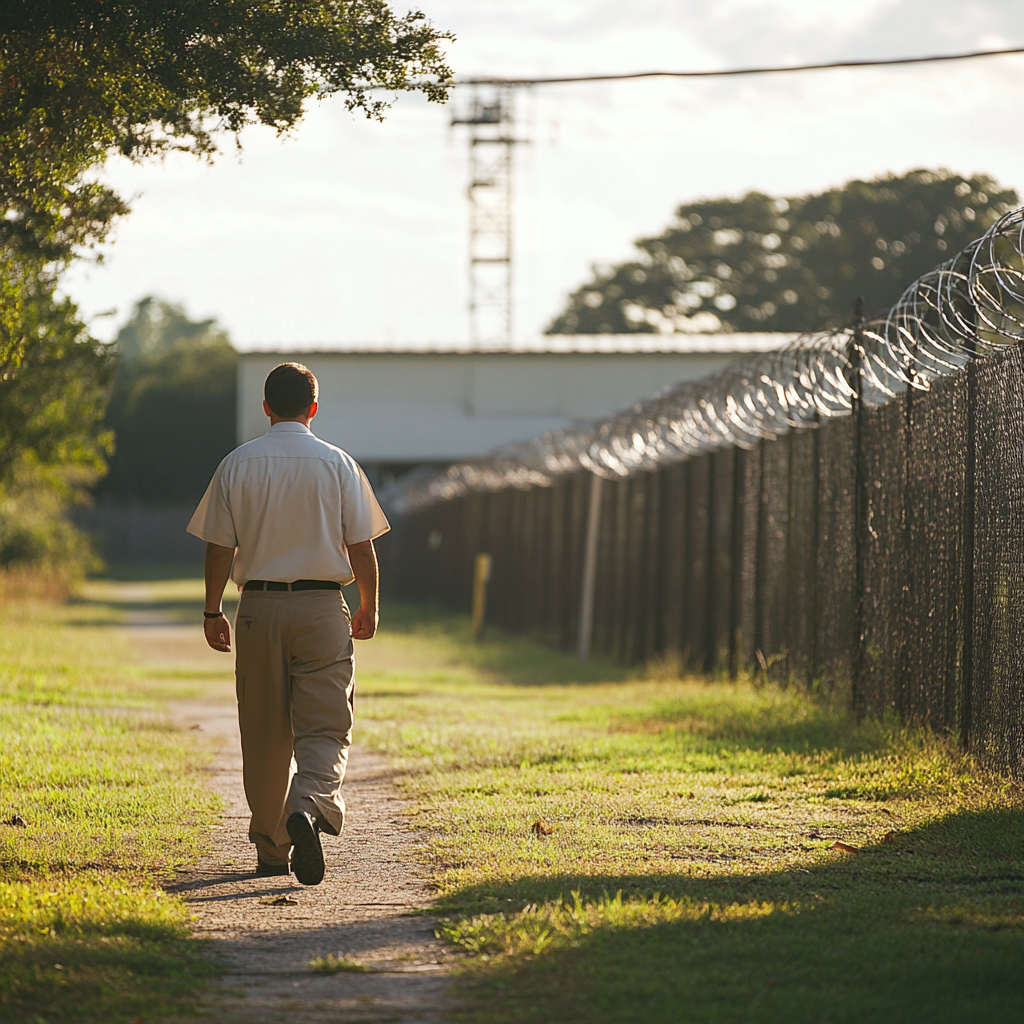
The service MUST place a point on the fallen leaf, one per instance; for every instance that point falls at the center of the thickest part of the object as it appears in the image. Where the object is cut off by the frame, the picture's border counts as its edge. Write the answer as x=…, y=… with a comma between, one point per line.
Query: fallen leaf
x=196, y=726
x=541, y=828
x=16, y=821
x=891, y=837
x=843, y=848
x=281, y=901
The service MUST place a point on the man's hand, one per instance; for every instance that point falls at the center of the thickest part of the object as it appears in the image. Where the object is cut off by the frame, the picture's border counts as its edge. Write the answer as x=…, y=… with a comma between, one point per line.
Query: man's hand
x=364, y=623
x=364, y=567
x=218, y=633
x=216, y=570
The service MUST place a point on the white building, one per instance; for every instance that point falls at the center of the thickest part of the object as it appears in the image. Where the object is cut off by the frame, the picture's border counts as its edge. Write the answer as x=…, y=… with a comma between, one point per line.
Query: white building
x=393, y=408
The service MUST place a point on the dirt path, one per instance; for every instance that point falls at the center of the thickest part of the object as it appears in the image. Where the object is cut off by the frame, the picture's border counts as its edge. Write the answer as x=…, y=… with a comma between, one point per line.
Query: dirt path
x=267, y=930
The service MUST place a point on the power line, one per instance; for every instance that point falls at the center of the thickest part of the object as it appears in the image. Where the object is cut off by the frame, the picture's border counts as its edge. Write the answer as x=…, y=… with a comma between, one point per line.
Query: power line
x=740, y=71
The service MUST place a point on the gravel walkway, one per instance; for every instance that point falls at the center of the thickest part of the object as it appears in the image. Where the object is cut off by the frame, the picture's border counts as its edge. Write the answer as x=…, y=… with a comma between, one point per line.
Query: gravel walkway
x=266, y=930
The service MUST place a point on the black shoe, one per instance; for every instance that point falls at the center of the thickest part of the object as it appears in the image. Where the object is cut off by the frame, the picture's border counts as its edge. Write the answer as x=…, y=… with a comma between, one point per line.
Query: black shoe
x=267, y=870
x=307, y=853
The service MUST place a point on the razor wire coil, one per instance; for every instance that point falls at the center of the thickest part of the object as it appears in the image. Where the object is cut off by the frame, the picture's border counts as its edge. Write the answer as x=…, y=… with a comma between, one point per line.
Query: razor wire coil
x=966, y=308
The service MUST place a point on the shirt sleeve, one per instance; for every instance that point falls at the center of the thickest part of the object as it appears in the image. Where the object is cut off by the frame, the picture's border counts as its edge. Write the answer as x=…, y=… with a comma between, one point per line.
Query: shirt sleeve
x=362, y=518
x=212, y=520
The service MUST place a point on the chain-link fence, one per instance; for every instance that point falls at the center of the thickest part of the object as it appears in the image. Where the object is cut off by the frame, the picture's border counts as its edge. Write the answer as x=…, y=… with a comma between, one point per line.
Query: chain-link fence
x=847, y=513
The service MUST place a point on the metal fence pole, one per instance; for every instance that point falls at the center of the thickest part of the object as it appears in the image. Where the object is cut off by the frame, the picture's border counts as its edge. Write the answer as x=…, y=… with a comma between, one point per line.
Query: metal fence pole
x=967, y=665
x=859, y=516
x=589, y=568
x=710, y=574
x=739, y=463
x=760, y=567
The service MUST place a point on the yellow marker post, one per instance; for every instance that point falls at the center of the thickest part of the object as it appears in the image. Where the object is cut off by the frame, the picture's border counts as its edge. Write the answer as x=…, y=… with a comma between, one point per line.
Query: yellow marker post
x=481, y=576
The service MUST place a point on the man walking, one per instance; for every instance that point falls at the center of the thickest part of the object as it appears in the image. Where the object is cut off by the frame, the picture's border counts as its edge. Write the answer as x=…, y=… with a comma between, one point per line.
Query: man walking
x=291, y=519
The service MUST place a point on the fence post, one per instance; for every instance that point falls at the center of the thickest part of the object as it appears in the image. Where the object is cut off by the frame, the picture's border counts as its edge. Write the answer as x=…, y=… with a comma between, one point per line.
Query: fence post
x=739, y=461
x=589, y=568
x=759, y=567
x=967, y=665
x=710, y=610
x=481, y=577
x=854, y=351
x=813, y=623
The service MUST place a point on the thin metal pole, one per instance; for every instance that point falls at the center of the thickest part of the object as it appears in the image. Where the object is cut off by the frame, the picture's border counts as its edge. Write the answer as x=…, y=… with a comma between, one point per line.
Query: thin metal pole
x=710, y=574
x=859, y=512
x=812, y=583
x=590, y=568
x=967, y=677
x=739, y=461
x=760, y=565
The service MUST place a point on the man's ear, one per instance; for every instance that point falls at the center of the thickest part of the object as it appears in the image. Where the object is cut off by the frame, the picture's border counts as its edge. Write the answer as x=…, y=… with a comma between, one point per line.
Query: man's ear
x=266, y=408
x=312, y=410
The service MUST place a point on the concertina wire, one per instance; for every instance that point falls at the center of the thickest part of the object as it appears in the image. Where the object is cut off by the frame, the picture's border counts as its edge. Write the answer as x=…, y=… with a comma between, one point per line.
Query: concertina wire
x=969, y=307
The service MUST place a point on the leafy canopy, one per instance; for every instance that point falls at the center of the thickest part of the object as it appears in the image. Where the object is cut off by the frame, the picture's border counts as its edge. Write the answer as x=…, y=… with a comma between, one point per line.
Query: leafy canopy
x=82, y=79
x=798, y=264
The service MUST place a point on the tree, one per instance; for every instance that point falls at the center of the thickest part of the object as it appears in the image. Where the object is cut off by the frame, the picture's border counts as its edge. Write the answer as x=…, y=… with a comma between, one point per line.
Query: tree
x=83, y=79
x=765, y=264
x=172, y=409
x=52, y=409
x=52, y=439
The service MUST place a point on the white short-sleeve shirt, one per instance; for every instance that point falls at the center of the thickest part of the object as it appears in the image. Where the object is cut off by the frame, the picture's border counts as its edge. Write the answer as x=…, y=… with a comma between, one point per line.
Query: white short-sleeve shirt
x=291, y=505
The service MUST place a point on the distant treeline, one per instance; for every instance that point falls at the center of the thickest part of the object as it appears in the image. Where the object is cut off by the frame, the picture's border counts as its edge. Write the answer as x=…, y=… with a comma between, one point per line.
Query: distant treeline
x=171, y=408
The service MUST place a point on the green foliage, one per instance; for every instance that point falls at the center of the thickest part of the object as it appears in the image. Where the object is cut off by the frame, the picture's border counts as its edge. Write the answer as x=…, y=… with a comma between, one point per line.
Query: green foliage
x=796, y=264
x=34, y=532
x=87, y=78
x=53, y=443
x=173, y=405
x=52, y=391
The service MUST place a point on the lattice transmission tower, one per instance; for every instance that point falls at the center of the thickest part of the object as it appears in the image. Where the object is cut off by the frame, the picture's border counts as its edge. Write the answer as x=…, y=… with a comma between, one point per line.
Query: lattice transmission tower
x=490, y=118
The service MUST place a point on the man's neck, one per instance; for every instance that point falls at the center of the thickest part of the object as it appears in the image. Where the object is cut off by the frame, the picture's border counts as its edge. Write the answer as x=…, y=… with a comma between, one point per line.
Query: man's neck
x=274, y=420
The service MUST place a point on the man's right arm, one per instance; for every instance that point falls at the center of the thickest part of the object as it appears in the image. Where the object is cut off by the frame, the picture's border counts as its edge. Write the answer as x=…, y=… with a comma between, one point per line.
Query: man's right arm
x=216, y=570
x=363, y=560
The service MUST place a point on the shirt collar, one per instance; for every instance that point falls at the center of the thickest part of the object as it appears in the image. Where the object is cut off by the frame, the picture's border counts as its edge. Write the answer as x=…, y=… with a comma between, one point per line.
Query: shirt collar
x=290, y=427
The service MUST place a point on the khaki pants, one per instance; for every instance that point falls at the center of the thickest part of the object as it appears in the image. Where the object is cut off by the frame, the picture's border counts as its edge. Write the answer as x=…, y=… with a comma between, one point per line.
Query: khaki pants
x=295, y=688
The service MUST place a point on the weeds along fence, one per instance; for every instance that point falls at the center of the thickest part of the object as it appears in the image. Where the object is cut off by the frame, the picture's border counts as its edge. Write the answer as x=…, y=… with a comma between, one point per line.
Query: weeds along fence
x=848, y=513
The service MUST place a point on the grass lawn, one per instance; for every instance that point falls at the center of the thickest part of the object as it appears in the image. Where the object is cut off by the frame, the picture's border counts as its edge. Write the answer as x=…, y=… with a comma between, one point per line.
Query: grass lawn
x=610, y=849
x=112, y=803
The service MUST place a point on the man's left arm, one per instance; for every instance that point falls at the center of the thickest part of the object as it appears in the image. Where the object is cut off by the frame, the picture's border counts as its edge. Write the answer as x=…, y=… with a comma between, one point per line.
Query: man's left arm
x=363, y=560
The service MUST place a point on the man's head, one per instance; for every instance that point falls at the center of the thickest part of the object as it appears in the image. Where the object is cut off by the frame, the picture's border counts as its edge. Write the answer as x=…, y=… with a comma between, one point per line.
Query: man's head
x=290, y=392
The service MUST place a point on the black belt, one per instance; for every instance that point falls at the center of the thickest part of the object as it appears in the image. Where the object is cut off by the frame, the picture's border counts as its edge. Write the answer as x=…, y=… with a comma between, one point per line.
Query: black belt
x=297, y=585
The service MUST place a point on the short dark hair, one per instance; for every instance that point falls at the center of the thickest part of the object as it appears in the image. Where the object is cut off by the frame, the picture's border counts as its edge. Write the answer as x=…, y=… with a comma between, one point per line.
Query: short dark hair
x=290, y=390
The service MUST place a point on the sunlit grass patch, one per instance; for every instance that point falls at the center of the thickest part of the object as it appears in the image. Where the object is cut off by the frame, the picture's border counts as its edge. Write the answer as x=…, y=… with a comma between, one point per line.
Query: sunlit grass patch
x=565, y=922
x=688, y=867
x=99, y=788
x=108, y=801
x=339, y=964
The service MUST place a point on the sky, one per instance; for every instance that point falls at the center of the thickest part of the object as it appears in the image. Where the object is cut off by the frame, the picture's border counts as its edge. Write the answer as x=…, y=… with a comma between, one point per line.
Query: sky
x=352, y=232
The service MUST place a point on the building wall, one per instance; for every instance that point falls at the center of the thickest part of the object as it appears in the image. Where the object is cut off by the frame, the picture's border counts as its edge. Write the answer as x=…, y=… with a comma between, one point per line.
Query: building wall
x=437, y=407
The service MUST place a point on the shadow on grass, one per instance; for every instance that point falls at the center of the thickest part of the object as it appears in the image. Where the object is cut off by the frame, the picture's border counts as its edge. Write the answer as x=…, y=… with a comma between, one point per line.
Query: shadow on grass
x=527, y=659
x=789, y=721
x=927, y=927
x=110, y=978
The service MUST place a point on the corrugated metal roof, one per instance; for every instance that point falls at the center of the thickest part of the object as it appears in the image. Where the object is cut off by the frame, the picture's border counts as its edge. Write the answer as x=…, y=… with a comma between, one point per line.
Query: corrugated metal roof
x=561, y=344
